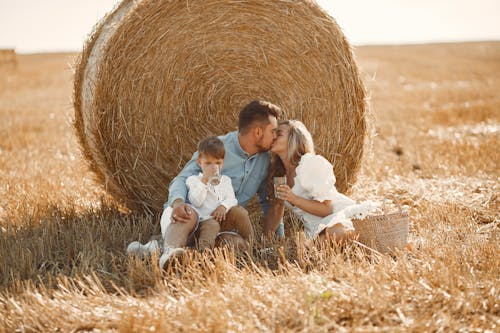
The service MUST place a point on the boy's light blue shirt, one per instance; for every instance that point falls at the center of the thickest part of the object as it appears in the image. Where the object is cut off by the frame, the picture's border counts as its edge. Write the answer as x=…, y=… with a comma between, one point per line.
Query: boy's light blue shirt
x=248, y=173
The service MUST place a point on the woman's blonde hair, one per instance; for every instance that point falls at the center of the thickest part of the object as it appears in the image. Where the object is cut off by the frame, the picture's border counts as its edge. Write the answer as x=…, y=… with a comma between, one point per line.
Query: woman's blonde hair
x=300, y=142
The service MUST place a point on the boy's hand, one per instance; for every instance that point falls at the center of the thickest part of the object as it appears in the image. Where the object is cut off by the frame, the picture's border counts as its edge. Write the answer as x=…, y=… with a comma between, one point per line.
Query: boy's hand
x=219, y=214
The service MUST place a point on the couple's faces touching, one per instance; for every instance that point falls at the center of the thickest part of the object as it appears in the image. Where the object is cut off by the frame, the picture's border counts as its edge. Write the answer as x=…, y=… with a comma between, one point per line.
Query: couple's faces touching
x=267, y=134
x=280, y=144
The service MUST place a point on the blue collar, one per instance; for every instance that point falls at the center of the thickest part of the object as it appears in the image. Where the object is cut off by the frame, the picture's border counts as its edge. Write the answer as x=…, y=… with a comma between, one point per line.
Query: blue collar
x=238, y=146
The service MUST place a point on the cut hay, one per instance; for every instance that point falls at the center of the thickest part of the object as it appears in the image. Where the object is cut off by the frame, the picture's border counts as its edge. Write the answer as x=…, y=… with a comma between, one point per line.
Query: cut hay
x=156, y=76
x=8, y=57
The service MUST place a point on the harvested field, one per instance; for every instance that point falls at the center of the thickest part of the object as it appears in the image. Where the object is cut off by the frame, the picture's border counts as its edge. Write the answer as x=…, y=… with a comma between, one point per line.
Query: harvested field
x=435, y=111
x=7, y=56
x=8, y=59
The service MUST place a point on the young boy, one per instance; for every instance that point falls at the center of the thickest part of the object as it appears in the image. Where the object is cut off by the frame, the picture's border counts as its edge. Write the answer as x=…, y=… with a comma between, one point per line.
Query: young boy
x=211, y=196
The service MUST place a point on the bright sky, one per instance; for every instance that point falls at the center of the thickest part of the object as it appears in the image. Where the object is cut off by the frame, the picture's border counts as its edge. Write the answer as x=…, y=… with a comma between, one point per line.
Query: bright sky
x=62, y=25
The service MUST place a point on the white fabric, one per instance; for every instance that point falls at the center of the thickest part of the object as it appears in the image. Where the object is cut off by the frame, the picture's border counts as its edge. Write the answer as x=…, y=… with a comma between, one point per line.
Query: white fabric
x=315, y=180
x=165, y=221
x=204, y=199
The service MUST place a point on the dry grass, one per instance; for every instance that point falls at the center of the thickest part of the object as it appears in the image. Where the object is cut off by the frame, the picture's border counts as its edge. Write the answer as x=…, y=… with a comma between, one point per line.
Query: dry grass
x=62, y=262
x=8, y=58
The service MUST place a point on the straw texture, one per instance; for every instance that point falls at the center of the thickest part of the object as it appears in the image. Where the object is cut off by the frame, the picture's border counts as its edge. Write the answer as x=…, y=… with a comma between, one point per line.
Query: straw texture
x=156, y=76
x=384, y=233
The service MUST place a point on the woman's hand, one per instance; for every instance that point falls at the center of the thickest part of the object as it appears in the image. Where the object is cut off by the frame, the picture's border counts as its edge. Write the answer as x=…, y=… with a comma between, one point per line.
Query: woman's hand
x=314, y=207
x=285, y=193
x=219, y=214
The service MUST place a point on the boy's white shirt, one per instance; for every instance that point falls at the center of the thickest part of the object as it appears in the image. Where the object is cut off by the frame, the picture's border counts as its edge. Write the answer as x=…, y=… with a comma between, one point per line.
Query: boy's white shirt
x=206, y=198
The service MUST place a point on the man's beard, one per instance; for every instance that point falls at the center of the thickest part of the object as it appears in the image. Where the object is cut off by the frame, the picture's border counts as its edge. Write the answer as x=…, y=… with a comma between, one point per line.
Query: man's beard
x=261, y=147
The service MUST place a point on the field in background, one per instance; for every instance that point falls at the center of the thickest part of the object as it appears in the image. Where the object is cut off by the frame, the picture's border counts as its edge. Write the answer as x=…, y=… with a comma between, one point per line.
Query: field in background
x=435, y=111
x=8, y=58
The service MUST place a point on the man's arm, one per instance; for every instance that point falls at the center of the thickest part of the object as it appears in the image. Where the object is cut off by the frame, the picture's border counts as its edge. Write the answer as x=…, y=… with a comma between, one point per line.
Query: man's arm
x=177, y=192
x=273, y=218
x=177, y=188
x=263, y=197
x=271, y=212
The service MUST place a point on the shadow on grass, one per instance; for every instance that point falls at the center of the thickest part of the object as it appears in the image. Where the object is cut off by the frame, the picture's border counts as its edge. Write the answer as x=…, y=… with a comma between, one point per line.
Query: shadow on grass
x=55, y=244
x=66, y=242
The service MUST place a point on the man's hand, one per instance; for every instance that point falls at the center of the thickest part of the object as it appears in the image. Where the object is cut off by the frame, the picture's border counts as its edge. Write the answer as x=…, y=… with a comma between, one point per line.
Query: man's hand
x=219, y=214
x=181, y=212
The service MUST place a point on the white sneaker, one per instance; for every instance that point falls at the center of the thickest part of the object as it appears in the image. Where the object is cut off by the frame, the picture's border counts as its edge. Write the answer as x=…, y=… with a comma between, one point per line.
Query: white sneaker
x=170, y=252
x=137, y=249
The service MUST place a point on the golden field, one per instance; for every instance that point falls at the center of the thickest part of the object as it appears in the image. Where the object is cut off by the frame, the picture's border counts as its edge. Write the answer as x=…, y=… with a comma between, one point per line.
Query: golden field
x=435, y=115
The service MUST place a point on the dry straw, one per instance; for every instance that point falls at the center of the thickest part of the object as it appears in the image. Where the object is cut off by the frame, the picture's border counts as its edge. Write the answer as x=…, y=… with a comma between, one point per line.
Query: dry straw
x=8, y=57
x=156, y=76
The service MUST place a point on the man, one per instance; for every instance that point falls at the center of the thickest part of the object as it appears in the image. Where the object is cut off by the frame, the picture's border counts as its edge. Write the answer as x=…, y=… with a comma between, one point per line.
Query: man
x=246, y=162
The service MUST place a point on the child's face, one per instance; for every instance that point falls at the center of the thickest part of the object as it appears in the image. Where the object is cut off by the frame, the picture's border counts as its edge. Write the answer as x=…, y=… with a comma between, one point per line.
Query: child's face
x=207, y=163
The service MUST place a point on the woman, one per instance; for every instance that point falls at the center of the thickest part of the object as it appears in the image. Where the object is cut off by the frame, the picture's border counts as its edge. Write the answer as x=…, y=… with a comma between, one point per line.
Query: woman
x=310, y=190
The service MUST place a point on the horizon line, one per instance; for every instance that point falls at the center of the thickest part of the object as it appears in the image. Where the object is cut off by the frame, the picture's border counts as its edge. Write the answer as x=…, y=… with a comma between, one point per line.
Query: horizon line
x=396, y=43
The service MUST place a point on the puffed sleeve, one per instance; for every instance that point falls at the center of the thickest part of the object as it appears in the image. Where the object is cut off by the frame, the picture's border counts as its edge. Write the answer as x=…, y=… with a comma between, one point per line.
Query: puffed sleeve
x=315, y=176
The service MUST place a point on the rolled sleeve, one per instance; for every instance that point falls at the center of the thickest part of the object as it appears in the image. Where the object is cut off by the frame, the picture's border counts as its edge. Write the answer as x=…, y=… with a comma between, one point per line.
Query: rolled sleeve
x=229, y=203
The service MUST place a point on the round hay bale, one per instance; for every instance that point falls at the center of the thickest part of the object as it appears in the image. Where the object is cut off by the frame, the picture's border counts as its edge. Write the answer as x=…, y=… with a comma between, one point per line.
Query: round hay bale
x=157, y=76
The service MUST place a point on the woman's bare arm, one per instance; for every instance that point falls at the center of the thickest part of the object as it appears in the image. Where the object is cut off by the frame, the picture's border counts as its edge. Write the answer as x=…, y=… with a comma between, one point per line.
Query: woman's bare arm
x=313, y=207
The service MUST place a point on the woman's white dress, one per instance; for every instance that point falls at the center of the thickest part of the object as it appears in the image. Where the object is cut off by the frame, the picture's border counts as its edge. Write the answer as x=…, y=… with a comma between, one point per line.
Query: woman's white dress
x=315, y=180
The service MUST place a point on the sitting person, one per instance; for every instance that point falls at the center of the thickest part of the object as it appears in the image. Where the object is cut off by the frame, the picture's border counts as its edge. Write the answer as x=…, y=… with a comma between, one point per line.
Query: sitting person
x=211, y=196
x=246, y=162
x=310, y=191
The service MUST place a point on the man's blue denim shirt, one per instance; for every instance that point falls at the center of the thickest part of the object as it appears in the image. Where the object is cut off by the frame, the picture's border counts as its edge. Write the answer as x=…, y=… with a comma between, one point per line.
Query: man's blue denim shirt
x=248, y=173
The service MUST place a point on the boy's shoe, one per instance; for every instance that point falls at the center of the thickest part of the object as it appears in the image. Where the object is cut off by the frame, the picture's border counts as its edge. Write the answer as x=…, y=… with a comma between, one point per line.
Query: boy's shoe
x=169, y=253
x=140, y=250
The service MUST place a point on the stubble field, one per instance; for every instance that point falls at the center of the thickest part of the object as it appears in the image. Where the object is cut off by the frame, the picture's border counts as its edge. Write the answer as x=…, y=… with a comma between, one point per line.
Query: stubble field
x=435, y=114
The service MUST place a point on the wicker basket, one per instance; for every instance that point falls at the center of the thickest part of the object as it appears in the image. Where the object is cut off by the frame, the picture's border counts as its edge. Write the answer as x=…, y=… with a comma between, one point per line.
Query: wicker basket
x=385, y=232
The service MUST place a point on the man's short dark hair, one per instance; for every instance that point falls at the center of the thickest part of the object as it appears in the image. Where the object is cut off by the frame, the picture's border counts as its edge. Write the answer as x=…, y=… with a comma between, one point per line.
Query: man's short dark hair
x=257, y=113
x=212, y=146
